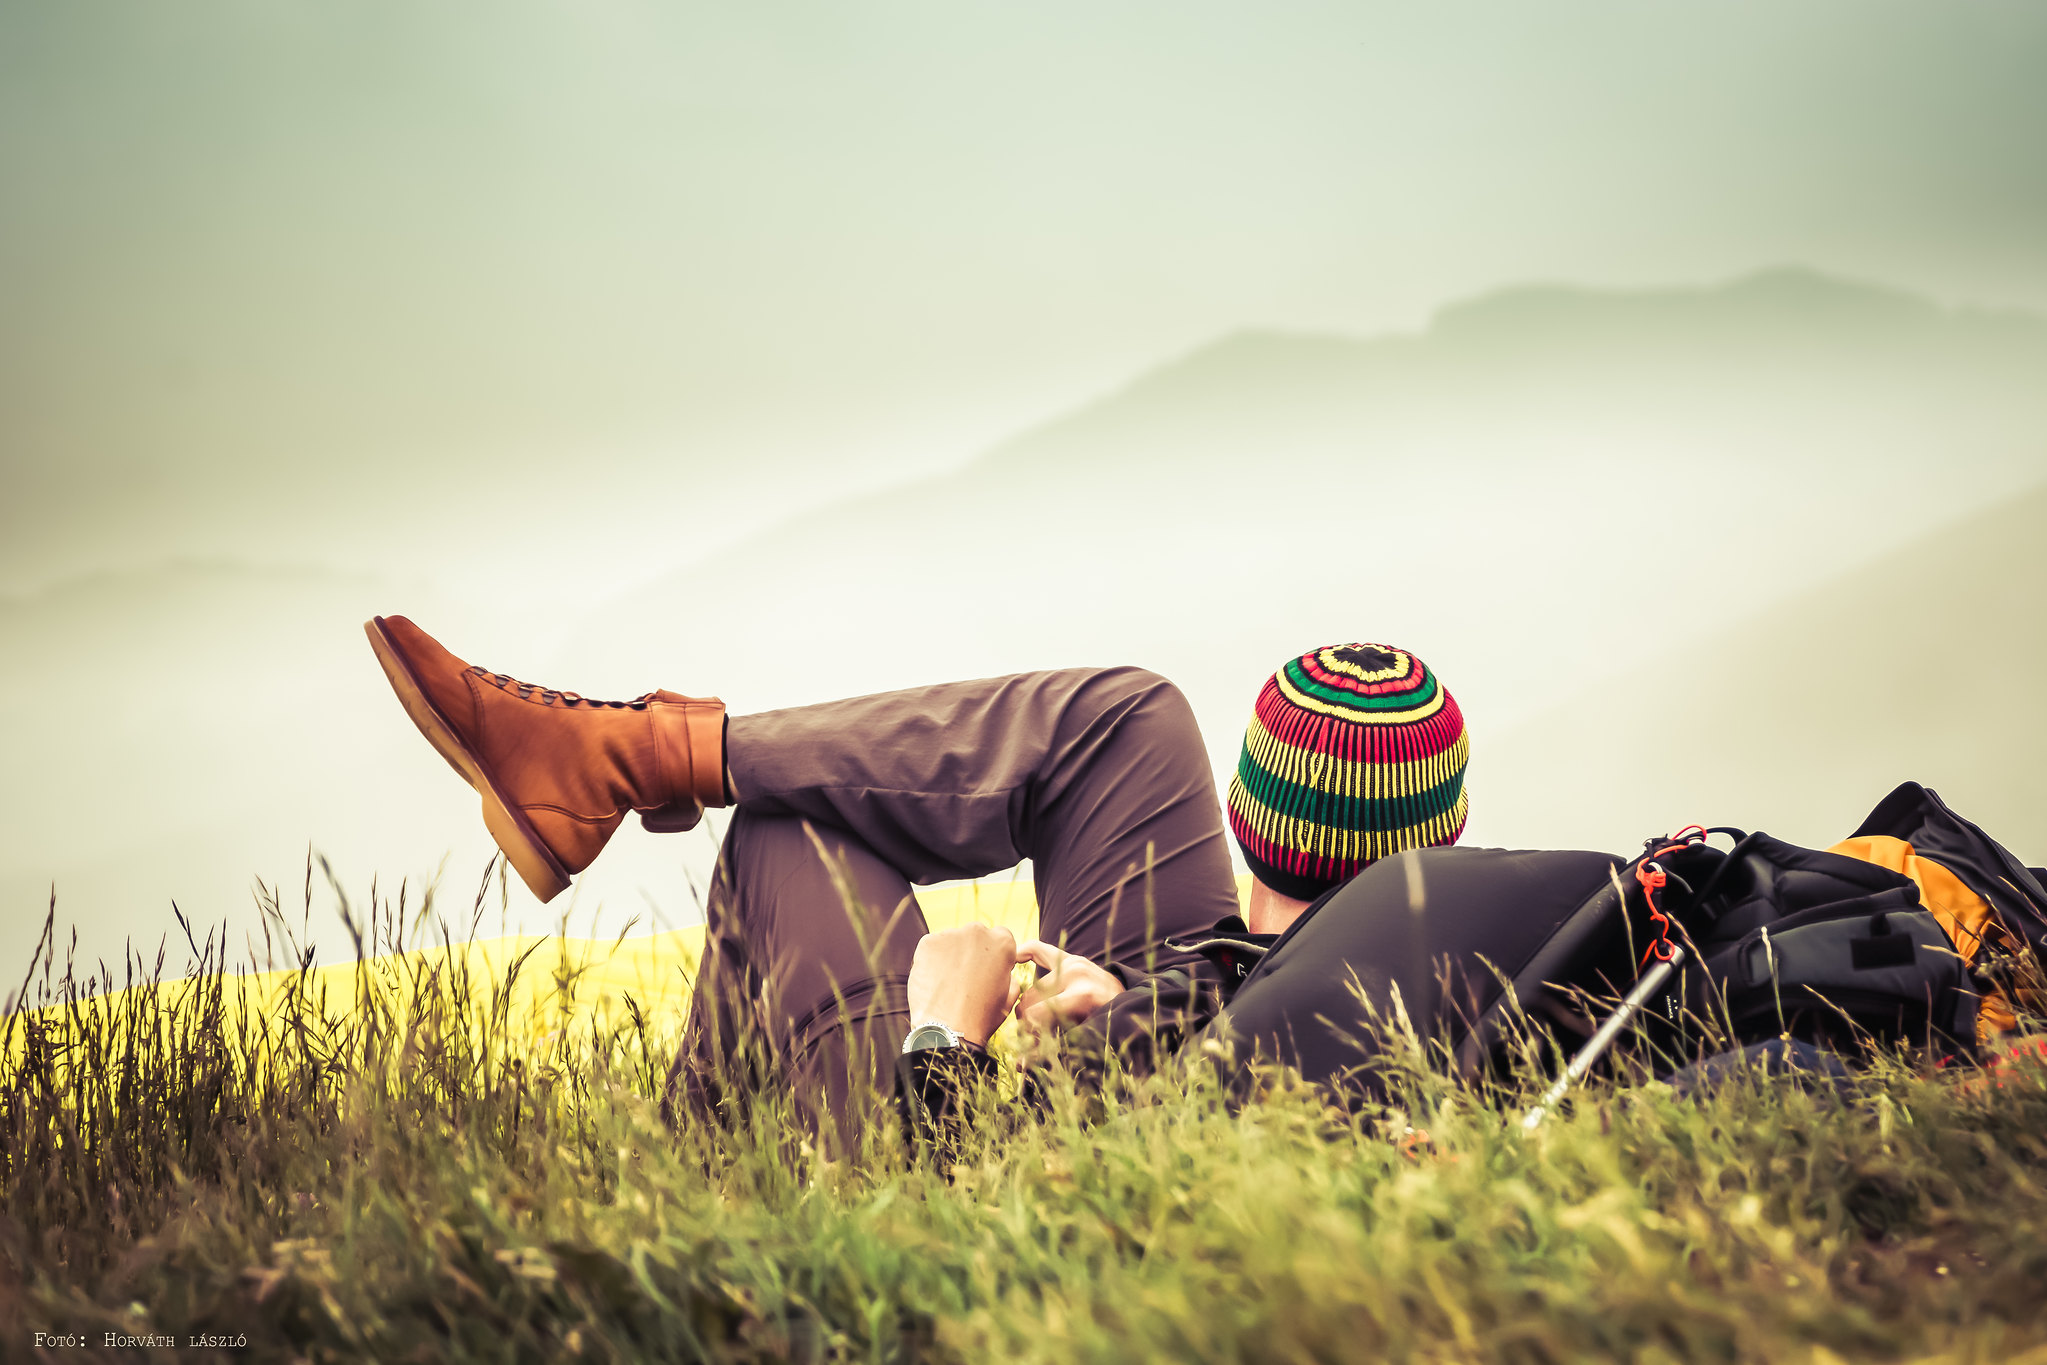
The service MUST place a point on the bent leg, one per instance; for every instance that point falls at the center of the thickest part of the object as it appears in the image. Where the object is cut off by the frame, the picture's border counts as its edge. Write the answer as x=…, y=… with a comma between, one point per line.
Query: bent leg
x=1099, y=776
x=807, y=948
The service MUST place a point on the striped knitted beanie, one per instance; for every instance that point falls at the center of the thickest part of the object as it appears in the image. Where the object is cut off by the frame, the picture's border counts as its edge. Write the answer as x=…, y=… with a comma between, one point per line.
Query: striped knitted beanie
x=1354, y=753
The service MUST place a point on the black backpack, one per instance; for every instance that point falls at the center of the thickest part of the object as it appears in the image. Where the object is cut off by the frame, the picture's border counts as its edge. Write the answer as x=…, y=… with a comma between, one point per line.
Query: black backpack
x=1472, y=946
x=1783, y=940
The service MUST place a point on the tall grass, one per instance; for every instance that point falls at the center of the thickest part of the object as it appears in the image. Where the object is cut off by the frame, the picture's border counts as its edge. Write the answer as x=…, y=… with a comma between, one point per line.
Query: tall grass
x=415, y=1173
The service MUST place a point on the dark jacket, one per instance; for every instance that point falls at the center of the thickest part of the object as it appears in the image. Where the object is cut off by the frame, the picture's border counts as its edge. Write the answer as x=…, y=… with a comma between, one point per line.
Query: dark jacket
x=1419, y=933
x=1159, y=1011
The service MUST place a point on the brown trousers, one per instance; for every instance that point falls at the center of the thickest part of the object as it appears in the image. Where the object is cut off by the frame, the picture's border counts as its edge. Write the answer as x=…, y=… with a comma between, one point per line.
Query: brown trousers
x=1098, y=776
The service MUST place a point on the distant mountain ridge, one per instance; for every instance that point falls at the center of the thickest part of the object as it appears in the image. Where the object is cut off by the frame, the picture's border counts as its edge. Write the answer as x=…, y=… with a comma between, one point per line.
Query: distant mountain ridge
x=1750, y=321
x=1928, y=665
x=1480, y=485
x=1762, y=301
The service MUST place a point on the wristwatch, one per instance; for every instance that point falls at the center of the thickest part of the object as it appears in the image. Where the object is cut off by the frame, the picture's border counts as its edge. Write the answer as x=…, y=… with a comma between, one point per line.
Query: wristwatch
x=933, y=1035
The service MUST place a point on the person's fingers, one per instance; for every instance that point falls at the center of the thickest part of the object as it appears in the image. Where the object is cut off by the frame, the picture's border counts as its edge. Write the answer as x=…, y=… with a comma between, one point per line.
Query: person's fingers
x=1046, y=955
x=1070, y=988
x=1036, y=993
x=1016, y=991
x=1038, y=1017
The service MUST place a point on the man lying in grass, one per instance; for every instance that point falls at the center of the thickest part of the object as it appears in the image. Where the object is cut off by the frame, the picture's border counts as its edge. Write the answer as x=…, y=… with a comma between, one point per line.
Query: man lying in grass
x=817, y=960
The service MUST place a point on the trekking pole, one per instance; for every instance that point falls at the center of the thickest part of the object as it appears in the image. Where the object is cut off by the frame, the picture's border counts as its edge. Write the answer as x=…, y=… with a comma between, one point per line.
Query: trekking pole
x=1652, y=980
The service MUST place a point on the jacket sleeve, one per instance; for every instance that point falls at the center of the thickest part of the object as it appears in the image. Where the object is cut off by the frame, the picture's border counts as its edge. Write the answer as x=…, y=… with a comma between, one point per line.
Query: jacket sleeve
x=1153, y=1016
x=930, y=1086
x=1151, y=1019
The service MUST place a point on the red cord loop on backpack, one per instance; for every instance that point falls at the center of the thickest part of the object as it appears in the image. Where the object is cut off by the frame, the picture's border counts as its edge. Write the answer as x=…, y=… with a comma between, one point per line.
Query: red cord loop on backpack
x=1651, y=877
x=1649, y=874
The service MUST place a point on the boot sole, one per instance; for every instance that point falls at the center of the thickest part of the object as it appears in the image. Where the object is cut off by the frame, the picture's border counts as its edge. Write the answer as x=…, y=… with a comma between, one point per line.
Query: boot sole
x=537, y=867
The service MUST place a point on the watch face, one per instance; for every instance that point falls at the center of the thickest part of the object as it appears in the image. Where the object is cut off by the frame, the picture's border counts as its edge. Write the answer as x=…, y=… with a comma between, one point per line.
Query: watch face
x=926, y=1036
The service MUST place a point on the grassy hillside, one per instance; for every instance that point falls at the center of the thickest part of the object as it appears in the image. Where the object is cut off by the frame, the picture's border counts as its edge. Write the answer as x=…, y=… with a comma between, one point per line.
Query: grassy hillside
x=1928, y=665
x=396, y=1185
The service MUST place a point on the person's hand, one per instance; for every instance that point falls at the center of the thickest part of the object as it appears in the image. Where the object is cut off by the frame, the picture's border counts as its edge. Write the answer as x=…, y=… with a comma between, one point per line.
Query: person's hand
x=1070, y=990
x=960, y=977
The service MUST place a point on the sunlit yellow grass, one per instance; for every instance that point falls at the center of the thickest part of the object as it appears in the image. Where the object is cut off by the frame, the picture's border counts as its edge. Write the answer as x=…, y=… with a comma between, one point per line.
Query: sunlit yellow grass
x=563, y=981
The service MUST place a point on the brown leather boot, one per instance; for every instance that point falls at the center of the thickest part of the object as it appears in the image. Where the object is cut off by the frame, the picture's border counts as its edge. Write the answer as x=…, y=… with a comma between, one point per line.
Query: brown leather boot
x=557, y=772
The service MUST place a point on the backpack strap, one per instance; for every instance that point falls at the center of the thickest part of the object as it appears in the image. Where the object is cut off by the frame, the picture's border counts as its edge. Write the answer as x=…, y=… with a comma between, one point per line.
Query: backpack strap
x=1652, y=876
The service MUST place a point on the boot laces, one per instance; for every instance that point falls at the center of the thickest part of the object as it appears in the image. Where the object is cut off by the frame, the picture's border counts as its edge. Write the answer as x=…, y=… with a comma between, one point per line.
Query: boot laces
x=548, y=696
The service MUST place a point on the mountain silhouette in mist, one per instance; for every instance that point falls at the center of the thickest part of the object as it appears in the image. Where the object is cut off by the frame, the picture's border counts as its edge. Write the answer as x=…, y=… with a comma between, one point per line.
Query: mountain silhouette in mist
x=1927, y=665
x=1536, y=469
x=1537, y=347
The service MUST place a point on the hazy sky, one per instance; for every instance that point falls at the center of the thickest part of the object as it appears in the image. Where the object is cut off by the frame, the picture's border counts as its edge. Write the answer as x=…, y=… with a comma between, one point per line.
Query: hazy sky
x=523, y=301
x=459, y=287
